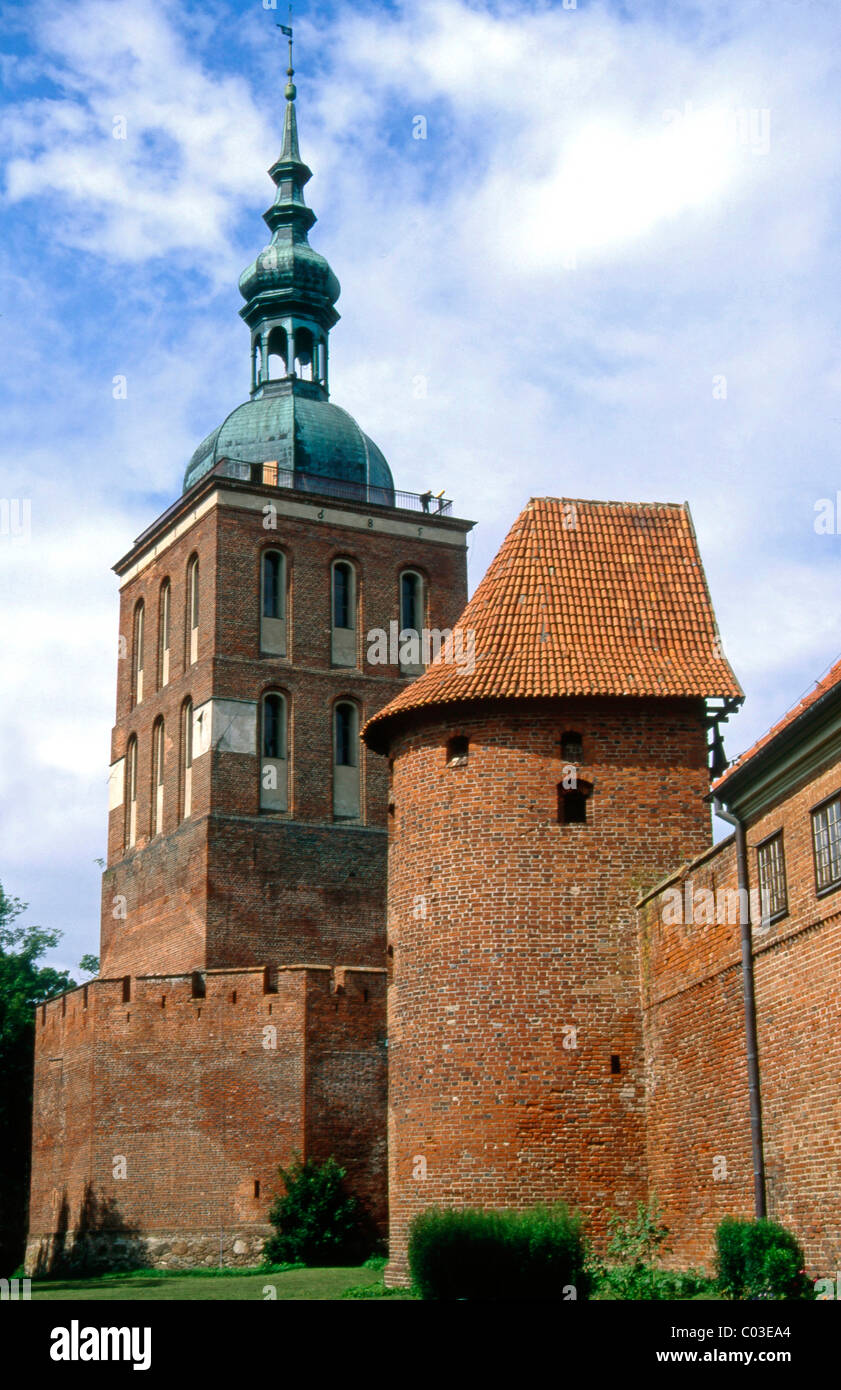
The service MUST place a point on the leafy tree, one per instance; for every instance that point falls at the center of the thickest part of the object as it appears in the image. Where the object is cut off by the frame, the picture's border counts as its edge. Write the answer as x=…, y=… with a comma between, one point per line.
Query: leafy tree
x=89, y=964
x=316, y=1221
x=23, y=984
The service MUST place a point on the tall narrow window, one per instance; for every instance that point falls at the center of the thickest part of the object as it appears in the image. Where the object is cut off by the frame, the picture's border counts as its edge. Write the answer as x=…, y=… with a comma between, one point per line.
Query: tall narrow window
x=158, y=777
x=346, y=787
x=273, y=603
x=193, y=610
x=826, y=840
x=771, y=864
x=343, y=645
x=137, y=655
x=131, y=793
x=274, y=779
x=187, y=758
x=411, y=623
x=163, y=634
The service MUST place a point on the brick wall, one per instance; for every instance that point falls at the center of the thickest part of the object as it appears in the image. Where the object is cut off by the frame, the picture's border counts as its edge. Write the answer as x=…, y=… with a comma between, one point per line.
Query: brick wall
x=234, y=885
x=507, y=930
x=201, y=1097
x=183, y=1087
x=698, y=1102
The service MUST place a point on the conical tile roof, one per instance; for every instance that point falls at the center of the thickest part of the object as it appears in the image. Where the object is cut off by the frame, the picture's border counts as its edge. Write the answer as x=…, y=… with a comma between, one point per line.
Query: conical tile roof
x=583, y=598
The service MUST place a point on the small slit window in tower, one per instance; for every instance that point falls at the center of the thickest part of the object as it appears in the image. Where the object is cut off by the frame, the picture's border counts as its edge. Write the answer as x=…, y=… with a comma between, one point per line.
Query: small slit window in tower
x=572, y=803
x=458, y=749
x=615, y=1064
x=256, y=1187
x=571, y=747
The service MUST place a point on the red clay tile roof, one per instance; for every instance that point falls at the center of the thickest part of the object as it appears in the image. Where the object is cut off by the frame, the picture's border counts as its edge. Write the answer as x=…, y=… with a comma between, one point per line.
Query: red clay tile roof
x=584, y=598
x=822, y=687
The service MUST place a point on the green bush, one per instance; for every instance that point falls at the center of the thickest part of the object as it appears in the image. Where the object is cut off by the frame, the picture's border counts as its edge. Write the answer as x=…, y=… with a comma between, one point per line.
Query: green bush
x=317, y=1222
x=634, y=1244
x=760, y=1259
x=641, y=1282
x=510, y=1255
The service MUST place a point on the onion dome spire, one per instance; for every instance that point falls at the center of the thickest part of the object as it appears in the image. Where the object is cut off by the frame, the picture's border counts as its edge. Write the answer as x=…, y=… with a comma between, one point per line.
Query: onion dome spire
x=288, y=427
x=290, y=290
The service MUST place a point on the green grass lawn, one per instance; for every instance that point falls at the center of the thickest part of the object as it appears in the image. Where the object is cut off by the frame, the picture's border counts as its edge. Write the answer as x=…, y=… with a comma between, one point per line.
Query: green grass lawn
x=304, y=1284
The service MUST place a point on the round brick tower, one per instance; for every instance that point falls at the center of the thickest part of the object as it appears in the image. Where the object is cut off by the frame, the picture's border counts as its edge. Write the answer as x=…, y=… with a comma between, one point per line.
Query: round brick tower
x=549, y=765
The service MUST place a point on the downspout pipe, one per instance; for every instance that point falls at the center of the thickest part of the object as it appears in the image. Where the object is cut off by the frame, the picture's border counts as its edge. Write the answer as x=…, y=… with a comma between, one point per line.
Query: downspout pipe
x=760, y=1207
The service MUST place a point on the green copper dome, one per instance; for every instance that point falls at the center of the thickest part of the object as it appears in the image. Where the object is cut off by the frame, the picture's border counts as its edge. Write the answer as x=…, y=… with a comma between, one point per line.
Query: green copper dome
x=290, y=294
x=301, y=431
x=283, y=265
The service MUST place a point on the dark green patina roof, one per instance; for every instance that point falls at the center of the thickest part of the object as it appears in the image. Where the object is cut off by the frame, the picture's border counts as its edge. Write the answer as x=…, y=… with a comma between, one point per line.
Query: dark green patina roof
x=301, y=430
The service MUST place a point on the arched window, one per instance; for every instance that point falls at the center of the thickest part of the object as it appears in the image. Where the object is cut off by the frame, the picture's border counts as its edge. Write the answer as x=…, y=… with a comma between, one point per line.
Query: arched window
x=186, y=759
x=343, y=648
x=304, y=353
x=346, y=784
x=256, y=362
x=131, y=793
x=411, y=623
x=572, y=801
x=163, y=634
x=158, y=747
x=273, y=603
x=274, y=764
x=193, y=610
x=137, y=653
x=278, y=353
x=411, y=600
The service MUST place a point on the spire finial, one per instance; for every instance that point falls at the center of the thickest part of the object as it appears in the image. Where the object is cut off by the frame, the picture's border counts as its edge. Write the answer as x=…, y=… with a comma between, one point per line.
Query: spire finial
x=291, y=90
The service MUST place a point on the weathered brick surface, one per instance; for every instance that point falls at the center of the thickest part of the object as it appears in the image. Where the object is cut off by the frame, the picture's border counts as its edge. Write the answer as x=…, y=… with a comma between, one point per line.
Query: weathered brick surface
x=201, y=1097
x=183, y=888
x=507, y=928
x=182, y=1086
x=695, y=1049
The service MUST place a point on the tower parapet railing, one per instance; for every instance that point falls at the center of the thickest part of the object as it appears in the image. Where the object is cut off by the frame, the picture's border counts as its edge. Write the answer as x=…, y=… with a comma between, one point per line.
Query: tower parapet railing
x=272, y=475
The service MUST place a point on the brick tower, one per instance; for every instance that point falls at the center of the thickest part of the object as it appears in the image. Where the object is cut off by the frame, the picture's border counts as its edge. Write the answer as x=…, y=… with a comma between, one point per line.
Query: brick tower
x=532, y=796
x=240, y=1014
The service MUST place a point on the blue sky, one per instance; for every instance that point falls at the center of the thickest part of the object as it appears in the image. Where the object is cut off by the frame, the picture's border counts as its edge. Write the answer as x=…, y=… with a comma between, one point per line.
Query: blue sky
x=616, y=207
